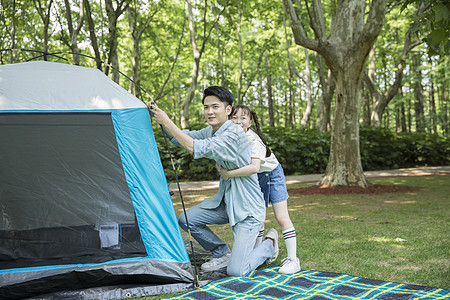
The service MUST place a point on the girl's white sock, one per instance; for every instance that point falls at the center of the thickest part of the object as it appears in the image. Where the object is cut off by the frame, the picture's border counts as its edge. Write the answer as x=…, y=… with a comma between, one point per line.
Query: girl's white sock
x=290, y=238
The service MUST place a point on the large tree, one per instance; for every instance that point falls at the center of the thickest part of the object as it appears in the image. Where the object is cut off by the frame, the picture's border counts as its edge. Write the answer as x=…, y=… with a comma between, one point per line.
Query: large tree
x=345, y=47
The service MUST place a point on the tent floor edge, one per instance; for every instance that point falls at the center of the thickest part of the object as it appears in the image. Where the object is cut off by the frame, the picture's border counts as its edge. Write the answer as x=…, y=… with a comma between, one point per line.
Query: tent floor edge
x=141, y=273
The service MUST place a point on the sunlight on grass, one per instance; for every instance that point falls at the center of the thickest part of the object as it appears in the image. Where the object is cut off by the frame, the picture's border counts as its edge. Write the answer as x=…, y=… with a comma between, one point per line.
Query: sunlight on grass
x=401, y=202
x=341, y=217
x=385, y=240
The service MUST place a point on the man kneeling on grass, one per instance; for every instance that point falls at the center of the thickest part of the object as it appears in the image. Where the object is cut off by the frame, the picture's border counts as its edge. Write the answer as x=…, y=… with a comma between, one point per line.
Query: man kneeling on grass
x=239, y=200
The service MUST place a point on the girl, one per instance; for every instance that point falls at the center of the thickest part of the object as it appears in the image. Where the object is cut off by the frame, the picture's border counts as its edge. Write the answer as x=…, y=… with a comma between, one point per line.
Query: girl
x=272, y=183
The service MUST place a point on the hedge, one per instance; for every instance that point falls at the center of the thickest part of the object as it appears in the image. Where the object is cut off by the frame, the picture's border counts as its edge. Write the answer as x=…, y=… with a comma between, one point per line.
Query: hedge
x=306, y=151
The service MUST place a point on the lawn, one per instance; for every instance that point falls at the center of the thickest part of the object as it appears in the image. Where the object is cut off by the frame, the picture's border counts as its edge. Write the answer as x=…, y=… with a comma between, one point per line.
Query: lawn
x=400, y=237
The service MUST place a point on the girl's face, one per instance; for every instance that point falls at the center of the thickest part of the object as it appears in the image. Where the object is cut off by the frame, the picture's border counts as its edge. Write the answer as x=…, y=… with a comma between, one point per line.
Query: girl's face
x=243, y=119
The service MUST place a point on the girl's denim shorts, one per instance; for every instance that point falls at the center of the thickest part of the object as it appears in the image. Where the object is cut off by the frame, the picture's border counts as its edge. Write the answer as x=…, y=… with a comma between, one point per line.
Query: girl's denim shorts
x=273, y=185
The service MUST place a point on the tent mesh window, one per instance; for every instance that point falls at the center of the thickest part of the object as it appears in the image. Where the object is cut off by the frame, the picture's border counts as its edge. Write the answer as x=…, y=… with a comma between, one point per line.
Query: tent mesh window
x=63, y=195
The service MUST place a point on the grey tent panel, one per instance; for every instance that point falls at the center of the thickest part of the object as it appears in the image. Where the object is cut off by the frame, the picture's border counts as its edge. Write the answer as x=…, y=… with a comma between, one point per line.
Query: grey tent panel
x=46, y=169
x=63, y=195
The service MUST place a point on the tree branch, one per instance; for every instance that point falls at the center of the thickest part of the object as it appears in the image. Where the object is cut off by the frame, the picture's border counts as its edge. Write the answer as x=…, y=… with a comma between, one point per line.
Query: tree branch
x=289, y=54
x=297, y=29
x=374, y=23
x=319, y=21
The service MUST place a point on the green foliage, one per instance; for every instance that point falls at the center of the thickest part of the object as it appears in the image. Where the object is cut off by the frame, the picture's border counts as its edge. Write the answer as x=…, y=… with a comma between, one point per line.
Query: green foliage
x=302, y=151
x=433, y=25
x=379, y=149
x=306, y=151
x=383, y=149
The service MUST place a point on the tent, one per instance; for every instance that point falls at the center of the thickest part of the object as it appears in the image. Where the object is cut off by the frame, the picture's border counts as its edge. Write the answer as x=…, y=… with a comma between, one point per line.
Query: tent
x=84, y=200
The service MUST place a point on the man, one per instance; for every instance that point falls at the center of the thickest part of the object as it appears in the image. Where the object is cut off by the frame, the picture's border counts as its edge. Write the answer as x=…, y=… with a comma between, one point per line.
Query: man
x=239, y=200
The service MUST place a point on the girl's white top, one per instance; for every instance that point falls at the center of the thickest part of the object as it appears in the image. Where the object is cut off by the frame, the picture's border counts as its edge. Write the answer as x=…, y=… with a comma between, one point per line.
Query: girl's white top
x=259, y=151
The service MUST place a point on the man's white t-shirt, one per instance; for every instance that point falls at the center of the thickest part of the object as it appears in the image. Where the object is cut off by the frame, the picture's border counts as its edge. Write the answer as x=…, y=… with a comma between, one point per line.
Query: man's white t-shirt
x=258, y=150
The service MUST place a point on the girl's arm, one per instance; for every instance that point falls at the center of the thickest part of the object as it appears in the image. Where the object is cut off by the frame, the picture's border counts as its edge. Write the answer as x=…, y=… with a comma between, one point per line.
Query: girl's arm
x=247, y=170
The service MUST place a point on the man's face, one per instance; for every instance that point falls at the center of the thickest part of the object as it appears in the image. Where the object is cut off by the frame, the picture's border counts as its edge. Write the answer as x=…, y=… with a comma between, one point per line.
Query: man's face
x=215, y=111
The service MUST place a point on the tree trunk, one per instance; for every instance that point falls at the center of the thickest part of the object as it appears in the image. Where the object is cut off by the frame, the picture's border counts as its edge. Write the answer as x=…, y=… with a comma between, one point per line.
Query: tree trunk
x=239, y=89
x=291, y=100
x=368, y=114
x=12, y=54
x=92, y=35
x=261, y=100
x=445, y=125
x=381, y=100
x=344, y=166
x=345, y=49
x=135, y=60
x=74, y=32
x=366, y=109
x=219, y=52
x=270, y=100
x=286, y=109
x=433, y=108
x=190, y=94
x=432, y=102
x=197, y=57
x=46, y=25
x=137, y=26
x=397, y=117
x=409, y=115
x=418, y=95
x=306, y=116
x=113, y=17
x=324, y=102
x=195, y=69
x=402, y=113
x=44, y=10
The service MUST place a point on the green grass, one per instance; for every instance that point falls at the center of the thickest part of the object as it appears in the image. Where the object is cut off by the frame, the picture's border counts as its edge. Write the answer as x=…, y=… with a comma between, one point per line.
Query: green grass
x=399, y=237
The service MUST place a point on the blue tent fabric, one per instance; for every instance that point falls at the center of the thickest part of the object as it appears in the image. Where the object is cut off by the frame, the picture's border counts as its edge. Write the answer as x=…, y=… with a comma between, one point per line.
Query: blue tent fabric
x=314, y=285
x=84, y=198
x=148, y=186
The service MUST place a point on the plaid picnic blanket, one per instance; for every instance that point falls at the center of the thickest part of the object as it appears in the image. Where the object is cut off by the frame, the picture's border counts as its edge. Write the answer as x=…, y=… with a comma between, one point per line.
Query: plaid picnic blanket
x=314, y=285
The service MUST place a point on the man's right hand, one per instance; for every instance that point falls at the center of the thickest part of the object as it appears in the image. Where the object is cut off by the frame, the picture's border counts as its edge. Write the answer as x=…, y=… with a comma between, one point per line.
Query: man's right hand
x=149, y=104
x=160, y=116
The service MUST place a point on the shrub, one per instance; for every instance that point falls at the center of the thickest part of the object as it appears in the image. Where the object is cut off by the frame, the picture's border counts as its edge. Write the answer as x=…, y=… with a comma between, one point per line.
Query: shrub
x=379, y=149
x=306, y=151
x=300, y=151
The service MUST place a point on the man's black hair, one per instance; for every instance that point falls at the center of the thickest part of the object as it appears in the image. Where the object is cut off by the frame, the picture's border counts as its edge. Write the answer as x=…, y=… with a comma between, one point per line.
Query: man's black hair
x=222, y=93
